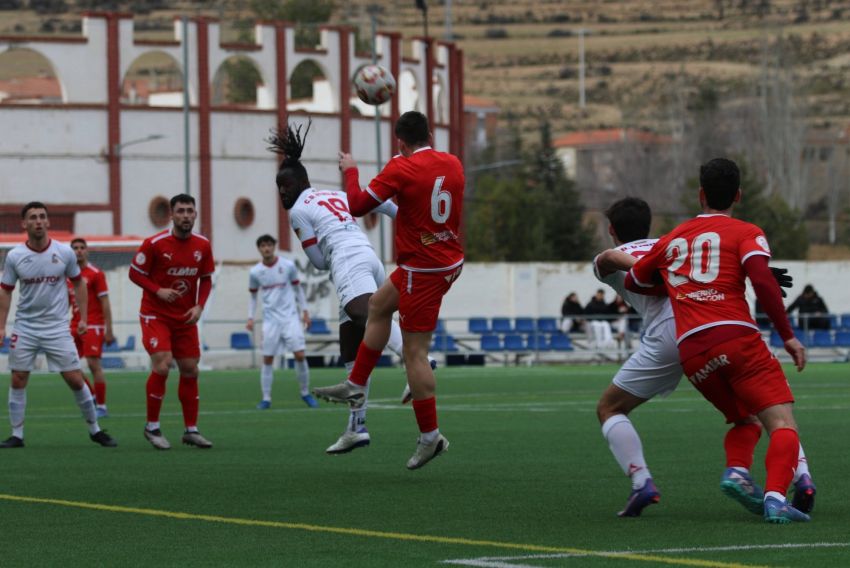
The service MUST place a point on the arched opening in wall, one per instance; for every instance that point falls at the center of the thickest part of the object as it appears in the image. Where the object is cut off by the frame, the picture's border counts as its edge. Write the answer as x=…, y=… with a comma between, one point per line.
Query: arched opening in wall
x=238, y=81
x=408, y=92
x=159, y=211
x=28, y=77
x=153, y=79
x=440, y=96
x=309, y=89
x=360, y=108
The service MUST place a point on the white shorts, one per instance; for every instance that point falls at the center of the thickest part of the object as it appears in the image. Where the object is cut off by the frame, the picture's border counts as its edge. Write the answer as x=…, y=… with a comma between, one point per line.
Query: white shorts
x=279, y=337
x=354, y=275
x=60, y=350
x=654, y=369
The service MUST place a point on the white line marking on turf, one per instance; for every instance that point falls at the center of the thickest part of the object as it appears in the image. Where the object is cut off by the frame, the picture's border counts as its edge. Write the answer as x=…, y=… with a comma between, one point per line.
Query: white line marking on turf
x=509, y=561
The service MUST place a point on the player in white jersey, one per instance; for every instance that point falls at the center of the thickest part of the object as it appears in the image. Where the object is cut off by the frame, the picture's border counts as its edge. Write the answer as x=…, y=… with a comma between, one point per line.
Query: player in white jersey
x=654, y=369
x=276, y=278
x=41, y=266
x=333, y=241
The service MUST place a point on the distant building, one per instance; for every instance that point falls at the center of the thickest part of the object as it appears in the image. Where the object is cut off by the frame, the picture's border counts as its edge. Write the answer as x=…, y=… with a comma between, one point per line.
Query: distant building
x=482, y=119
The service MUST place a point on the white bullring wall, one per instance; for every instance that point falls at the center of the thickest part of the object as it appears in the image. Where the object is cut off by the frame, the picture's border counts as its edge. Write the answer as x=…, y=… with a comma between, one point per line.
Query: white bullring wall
x=484, y=289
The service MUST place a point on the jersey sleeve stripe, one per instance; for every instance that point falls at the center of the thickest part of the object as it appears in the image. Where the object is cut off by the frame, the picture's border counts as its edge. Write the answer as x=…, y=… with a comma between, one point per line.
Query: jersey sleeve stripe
x=638, y=282
x=134, y=267
x=102, y=294
x=309, y=242
x=753, y=253
x=295, y=282
x=374, y=195
x=5, y=286
x=253, y=290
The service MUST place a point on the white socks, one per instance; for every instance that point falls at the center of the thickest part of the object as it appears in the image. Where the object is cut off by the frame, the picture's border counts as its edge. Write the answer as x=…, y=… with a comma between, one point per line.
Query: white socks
x=357, y=417
x=302, y=373
x=625, y=444
x=266, y=379
x=17, y=409
x=86, y=404
x=802, y=465
x=395, y=343
x=429, y=437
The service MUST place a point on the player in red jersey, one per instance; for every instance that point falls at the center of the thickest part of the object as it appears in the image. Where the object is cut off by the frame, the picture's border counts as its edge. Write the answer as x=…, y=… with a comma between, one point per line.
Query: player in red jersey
x=703, y=264
x=429, y=188
x=174, y=269
x=99, y=319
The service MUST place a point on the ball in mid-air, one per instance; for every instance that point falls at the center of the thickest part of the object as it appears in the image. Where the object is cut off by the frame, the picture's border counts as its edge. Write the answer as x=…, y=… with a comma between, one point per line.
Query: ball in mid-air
x=374, y=84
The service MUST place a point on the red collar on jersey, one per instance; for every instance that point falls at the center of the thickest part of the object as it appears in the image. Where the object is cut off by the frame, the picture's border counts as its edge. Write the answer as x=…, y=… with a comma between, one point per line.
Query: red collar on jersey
x=47, y=246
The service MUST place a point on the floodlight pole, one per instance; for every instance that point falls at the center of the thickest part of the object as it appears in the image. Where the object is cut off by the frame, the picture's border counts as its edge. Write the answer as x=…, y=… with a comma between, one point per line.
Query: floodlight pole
x=184, y=27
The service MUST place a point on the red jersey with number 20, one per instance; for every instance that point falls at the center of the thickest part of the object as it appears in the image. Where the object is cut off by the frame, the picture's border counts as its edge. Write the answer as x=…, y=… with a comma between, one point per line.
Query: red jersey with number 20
x=173, y=263
x=701, y=263
x=429, y=187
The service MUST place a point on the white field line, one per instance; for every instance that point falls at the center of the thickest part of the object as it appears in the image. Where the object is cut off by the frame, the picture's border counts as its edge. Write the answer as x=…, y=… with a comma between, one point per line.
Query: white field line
x=511, y=561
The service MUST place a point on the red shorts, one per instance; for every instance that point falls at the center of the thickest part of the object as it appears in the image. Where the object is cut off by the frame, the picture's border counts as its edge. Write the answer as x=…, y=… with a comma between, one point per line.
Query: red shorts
x=420, y=297
x=159, y=334
x=739, y=377
x=89, y=344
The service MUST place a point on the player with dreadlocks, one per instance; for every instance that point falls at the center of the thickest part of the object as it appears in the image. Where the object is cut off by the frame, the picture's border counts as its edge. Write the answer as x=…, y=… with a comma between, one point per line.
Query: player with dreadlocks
x=333, y=241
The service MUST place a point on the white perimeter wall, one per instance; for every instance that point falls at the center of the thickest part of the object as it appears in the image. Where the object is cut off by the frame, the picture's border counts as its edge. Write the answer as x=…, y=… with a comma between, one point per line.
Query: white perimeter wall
x=488, y=290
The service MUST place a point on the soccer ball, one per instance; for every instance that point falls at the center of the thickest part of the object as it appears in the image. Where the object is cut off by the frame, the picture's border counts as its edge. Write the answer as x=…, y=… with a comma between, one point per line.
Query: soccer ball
x=374, y=84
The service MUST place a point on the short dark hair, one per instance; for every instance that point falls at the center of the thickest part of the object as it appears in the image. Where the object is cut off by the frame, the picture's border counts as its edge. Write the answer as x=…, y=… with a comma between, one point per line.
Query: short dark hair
x=630, y=217
x=182, y=198
x=412, y=128
x=266, y=239
x=79, y=240
x=32, y=205
x=720, y=180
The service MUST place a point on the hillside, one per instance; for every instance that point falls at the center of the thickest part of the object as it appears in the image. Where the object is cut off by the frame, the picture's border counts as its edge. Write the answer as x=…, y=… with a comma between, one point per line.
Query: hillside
x=644, y=58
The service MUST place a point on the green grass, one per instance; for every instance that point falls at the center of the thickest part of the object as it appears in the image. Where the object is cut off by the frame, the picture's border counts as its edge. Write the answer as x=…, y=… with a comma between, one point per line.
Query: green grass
x=527, y=465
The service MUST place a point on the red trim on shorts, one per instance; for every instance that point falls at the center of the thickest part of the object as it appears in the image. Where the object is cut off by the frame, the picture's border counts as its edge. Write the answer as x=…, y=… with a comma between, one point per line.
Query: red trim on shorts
x=6, y=286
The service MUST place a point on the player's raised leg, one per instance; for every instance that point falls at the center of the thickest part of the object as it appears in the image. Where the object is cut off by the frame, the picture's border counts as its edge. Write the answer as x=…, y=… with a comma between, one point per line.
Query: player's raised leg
x=382, y=305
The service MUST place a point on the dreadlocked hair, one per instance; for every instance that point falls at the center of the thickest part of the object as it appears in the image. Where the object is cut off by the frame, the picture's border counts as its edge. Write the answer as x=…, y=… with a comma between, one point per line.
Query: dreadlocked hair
x=289, y=143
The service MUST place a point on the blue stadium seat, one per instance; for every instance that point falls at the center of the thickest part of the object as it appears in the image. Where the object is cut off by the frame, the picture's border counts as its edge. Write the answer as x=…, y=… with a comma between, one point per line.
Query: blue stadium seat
x=240, y=340
x=130, y=345
x=538, y=342
x=490, y=343
x=834, y=321
x=444, y=342
x=112, y=363
x=514, y=342
x=775, y=340
x=441, y=326
x=845, y=321
x=821, y=338
x=561, y=342
x=502, y=325
x=479, y=325
x=548, y=325
x=319, y=326
x=524, y=325
x=113, y=347
x=842, y=338
x=4, y=346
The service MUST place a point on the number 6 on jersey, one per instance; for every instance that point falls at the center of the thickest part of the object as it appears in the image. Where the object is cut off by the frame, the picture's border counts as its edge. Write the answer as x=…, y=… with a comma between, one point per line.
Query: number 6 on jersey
x=441, y=202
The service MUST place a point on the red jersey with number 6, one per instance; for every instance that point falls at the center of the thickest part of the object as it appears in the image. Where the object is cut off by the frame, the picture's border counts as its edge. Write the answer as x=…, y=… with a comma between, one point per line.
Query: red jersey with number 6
x=429, y=188
x=701, y=264
x=173, y=263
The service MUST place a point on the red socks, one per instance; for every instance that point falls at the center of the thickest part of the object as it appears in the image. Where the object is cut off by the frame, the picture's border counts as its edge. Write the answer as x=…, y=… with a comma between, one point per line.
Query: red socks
x=364, y=364
x=740, y=443
x=100, y=393
x=781, y=459
x=156, y=392
x=426, y=414
x=187, y=392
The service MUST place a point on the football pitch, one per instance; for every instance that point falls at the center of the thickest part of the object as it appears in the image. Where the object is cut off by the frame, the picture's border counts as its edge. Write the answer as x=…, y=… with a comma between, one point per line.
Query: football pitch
x=527, y=482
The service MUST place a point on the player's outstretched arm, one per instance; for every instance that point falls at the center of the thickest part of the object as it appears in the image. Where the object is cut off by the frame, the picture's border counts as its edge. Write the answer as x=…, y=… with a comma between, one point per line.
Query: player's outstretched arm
x=613, y=260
